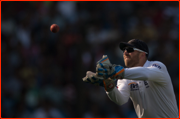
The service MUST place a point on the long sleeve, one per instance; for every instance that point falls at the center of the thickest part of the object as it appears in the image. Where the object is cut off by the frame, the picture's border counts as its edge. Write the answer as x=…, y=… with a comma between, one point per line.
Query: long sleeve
x=121, y=94
x=155, y=72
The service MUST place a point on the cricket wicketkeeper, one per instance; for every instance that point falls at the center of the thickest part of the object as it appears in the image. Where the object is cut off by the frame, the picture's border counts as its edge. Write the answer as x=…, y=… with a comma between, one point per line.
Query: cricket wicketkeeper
x=146, y=83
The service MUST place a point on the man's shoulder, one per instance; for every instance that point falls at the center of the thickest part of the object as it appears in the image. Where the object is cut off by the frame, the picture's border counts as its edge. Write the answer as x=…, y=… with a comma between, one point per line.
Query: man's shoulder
x=157, y=64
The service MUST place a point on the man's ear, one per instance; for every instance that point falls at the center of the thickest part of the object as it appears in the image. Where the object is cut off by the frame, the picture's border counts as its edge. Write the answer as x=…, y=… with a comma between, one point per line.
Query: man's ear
x=143, y=55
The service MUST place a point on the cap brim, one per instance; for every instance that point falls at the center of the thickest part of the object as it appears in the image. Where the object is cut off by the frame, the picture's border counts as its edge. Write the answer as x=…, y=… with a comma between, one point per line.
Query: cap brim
x=122, y=45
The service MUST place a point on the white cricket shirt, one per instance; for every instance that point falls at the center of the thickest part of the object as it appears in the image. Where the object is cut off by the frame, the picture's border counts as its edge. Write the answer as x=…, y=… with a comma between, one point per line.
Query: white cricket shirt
x=150, y=89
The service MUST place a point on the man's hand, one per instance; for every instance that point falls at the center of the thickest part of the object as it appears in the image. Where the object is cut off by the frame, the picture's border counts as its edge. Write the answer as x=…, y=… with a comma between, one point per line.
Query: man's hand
x=91, y=78
x=105, y=69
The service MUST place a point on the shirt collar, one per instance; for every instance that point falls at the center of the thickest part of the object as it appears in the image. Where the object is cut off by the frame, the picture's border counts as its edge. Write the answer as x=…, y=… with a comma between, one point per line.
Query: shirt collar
x=146, y=63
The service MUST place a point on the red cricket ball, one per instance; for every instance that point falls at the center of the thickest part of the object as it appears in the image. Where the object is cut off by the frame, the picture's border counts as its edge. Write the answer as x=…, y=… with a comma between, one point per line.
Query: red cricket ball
x=54, y=28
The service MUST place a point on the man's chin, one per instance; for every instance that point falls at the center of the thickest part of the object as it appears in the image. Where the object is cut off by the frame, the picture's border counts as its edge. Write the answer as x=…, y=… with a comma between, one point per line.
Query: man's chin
x=127, y=62
x=127, y=59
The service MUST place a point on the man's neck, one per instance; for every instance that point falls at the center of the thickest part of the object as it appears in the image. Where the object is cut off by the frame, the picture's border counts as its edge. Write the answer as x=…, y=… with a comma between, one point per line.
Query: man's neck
x=141, y=63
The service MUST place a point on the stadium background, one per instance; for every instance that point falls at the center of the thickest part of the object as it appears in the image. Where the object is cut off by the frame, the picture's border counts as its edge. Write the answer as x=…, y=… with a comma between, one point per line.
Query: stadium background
x=41, y=73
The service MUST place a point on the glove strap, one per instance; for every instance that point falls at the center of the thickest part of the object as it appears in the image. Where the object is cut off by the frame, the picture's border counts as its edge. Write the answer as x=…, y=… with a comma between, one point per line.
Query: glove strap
x=105, y=85
x=108, y=87
x=119, y=70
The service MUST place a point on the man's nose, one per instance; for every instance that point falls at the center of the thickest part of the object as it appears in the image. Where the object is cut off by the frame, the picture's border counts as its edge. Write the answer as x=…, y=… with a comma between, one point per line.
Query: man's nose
x=125, y=52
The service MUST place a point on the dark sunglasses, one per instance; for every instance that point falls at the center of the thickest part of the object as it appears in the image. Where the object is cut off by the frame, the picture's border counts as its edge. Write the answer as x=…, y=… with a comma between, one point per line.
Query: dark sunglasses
x=129, y=50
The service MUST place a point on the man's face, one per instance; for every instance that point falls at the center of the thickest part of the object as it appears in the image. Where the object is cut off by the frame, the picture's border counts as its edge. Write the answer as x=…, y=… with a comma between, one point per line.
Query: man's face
x=131, y=59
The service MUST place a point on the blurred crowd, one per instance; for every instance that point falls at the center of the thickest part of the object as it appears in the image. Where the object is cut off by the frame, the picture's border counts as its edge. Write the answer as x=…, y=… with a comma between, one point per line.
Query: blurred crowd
x=41, y=71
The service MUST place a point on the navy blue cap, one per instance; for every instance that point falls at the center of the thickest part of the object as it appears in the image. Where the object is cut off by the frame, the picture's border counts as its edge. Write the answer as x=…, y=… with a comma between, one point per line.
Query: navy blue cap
x=135, y=43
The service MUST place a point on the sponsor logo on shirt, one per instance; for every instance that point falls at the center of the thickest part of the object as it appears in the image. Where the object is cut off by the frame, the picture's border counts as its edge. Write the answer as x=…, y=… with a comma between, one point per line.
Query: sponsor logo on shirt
x=156, y=65
x=146, y=84
x=133, y=86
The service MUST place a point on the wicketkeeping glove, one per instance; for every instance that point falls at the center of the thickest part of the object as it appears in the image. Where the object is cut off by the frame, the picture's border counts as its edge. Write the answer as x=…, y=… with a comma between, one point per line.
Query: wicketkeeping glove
x=91, y=78
x=105, y=69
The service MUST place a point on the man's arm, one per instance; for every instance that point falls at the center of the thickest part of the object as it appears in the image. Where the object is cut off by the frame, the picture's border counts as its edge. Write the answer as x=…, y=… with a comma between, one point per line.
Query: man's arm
x=157, y=72
x=121, y=94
